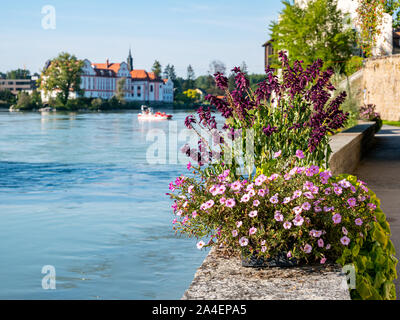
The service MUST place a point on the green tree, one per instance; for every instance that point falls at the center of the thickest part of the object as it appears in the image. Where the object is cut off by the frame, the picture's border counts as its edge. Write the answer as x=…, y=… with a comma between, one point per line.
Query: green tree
x=121, y=90
x=392, y=7
x=320, y=30
x=216, y=66
x=157, y=69
x=64, y=75
x=6, y=96
x=244, y=68
x=190, y=78
x=18, y=74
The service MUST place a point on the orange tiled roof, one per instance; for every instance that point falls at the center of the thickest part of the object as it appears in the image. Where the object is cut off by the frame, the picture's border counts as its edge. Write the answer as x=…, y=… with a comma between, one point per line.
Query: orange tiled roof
x=111, y=66
x=139, y=74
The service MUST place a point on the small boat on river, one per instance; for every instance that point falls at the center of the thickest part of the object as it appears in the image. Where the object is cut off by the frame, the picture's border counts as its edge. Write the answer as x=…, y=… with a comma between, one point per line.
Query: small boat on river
x=148, y=114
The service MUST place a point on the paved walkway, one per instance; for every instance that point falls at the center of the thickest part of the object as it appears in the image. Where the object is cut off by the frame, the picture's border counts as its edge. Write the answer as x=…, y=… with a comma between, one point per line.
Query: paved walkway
x=380, y=169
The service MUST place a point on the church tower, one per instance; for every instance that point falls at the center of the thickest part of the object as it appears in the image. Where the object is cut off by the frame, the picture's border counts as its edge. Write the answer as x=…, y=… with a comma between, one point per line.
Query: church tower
x=130, y=61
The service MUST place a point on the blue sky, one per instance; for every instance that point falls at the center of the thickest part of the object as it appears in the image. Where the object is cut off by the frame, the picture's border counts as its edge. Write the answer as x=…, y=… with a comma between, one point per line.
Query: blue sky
x=175, y=32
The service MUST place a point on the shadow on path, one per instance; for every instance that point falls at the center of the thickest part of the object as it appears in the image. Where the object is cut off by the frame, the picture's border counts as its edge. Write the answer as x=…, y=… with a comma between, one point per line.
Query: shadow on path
x=380, y=169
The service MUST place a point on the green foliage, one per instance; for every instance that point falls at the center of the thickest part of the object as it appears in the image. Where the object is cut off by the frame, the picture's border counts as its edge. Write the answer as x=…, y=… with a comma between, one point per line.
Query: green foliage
x=121, y=90
x=63, y=75
x=6, y=97
x=316, y=32
x=169, y=72
x=157, y=69
x=392, y=7
x=18, y=74
x=370, y=17
x=373, y=256
x=27, y=101
x=354, y=64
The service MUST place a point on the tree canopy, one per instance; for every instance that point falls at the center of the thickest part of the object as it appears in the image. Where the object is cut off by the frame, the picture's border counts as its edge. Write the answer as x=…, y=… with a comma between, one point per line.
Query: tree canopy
x=62, y=75
x=18, y=74
x=157, y=69
x=392, y=7
x=320, y=30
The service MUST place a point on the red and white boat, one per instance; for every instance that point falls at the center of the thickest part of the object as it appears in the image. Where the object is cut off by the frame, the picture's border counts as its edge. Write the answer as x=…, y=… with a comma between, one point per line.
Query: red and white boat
x=147, y=114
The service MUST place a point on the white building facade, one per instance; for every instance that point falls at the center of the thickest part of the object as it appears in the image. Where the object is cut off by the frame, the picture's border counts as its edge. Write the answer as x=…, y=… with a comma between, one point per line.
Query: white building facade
x=100, y=80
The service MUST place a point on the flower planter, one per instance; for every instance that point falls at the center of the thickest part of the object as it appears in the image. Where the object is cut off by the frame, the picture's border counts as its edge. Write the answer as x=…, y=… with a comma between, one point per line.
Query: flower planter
x=280, y=261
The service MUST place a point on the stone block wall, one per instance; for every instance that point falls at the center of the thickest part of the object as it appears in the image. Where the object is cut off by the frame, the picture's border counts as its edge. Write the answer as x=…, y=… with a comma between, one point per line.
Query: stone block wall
x=381, y=85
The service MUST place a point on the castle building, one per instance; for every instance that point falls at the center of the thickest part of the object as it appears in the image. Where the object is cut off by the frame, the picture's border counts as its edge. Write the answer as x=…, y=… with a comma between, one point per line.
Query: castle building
x=100, y=80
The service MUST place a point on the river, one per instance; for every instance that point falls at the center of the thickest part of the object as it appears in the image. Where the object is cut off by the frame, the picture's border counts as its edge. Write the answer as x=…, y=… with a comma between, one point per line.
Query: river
x=77, y=194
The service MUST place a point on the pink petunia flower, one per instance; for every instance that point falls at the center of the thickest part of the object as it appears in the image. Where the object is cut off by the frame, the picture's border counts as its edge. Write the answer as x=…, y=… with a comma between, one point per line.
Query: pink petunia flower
x=236, y=186
x=253, y=214
x=245, y=198
x=307, y=248
x=338, y=190
x=239, y=224
x=274, y=199
x=256, y=203
x=278, y=216
x=323, y=260
x=243, y=241
x=296, y=194
x=299, y=154
x=286, y=200
x=277, y=154
x=337, y=218
x=358, y=222
x=252, y=230
x=298, y=220
x=234, y=233
x=344, y=230
x=263, y=248
x=320, y=243
x=345, y=241
x=230, y=203
x=287, y=225
x=306, y=206
x=352, y=202
x=261, y=192
x=194, y=214
x=200, y=244
x=297, y=210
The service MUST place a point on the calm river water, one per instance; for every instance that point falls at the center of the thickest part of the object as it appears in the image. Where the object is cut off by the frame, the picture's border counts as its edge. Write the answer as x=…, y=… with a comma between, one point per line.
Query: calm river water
x=77, y=193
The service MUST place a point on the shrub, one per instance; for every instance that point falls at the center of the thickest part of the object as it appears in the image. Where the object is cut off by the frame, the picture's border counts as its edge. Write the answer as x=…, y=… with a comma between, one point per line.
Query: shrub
x=372, y=255
x=305, y=213
x=353, y=65
x=368, y=113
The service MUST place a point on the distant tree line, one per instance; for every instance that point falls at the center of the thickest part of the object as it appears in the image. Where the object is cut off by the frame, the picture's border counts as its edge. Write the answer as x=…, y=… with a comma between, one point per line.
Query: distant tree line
x=191, y=89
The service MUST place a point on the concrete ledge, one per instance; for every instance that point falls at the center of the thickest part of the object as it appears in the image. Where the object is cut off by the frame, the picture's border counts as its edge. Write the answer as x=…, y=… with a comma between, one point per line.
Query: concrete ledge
x=221, y=277
x=224, y=278
x=348, y=147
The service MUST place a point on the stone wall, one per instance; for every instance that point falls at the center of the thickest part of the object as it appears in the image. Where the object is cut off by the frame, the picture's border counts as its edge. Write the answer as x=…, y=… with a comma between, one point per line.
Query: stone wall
x=381, y=85
x=348, y=147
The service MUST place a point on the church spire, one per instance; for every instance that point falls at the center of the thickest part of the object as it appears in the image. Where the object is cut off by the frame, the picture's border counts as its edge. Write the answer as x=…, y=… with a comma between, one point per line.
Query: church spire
x=130, y=60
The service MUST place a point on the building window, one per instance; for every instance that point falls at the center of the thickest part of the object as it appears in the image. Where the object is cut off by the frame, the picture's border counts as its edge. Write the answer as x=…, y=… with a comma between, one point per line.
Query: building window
x=151, y=88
